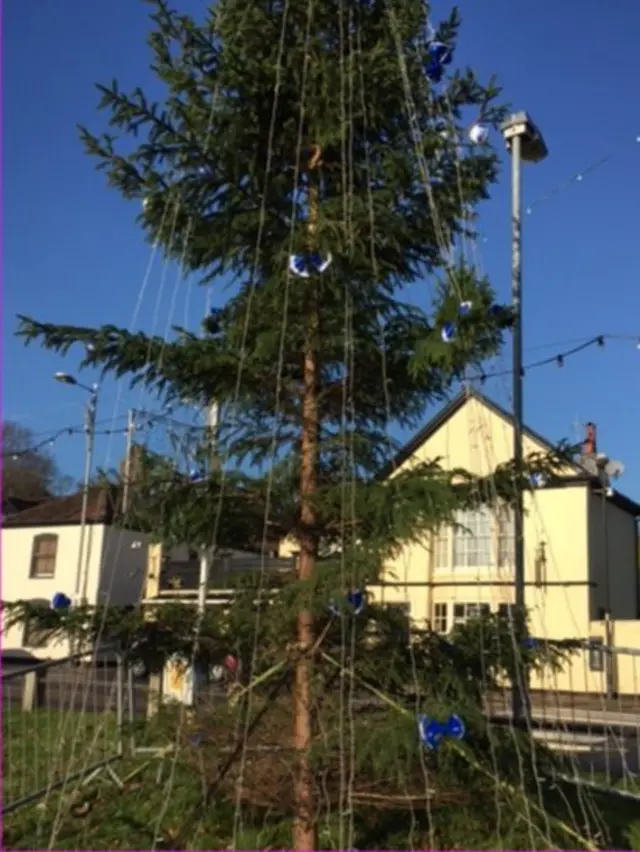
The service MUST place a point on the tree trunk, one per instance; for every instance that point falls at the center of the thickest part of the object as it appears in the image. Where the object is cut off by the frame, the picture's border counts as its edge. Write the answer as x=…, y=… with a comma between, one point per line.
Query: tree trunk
x=304, y=829
x=304, y=835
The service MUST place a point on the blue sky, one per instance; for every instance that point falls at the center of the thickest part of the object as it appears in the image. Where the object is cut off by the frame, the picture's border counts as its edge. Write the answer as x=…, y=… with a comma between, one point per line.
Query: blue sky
x=74, y=254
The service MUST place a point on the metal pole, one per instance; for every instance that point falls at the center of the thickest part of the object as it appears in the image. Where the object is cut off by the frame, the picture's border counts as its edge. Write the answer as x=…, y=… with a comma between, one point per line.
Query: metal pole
x=520, y=688
x=206, y=555
x=203, y=580
x=131, y=426
x=90, y=428
x=213, y=419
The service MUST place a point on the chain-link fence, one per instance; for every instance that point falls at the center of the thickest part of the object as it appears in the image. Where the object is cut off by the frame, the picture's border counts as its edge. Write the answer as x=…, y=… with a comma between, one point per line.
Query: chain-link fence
x=62, y=720
x=588, y=713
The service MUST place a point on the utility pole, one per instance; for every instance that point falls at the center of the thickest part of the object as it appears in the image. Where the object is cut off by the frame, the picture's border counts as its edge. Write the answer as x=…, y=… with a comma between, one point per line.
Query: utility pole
x=131, y=428
x=525, y=143
x=90, y=430
x=206, y=554
x=304, y=830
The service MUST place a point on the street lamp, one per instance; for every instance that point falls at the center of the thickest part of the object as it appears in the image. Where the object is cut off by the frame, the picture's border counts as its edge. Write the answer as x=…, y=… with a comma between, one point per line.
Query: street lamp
x=68, y=379
x=90, y=431
x=525, y=144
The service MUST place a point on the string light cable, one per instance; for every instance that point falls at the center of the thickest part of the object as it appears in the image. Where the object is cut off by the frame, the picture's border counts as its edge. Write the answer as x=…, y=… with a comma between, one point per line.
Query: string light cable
x=559, y=358
x=298, y=267
x=479, y=135
x=578, y=177
x=148, y=422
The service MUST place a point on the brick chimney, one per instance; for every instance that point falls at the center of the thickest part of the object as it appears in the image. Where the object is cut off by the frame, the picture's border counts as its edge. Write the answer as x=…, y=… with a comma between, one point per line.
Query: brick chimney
x=590, y=445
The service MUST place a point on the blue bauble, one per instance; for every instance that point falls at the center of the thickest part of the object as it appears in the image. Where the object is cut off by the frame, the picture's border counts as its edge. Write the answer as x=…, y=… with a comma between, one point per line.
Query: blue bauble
x=60, y=601
x=356, y=601
x=439, y=52
x=448, y=332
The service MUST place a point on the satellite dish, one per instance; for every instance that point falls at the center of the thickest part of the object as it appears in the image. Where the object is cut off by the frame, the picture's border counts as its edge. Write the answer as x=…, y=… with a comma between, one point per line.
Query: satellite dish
x=614, y=469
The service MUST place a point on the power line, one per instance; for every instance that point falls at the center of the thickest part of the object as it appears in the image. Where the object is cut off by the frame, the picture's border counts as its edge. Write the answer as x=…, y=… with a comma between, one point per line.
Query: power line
x=577, y=177
x=151, y=419
x=51, y=440
x=568, y=183
x=559, y=359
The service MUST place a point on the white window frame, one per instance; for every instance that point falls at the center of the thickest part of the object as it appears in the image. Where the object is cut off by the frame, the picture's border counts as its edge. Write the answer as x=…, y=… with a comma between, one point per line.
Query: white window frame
x=471, y=609
x=500, y=552
x=44, y=552
x=440, y=617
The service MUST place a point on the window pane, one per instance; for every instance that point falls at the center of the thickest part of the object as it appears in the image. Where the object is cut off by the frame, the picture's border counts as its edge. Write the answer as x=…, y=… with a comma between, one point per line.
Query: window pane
x=472, y=543
x=441, y=555
x=475, y=610
x=506, y=537
x=43, y=561
x=596, y=654
x=440, y=620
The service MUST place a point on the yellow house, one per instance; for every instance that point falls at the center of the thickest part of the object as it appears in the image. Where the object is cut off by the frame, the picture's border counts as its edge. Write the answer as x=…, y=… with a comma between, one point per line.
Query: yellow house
x=581, y=551
x=44, y=551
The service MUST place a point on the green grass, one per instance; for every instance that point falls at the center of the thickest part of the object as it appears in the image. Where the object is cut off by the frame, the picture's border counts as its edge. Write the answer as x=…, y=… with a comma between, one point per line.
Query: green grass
x=150, y=807
x=45, y=746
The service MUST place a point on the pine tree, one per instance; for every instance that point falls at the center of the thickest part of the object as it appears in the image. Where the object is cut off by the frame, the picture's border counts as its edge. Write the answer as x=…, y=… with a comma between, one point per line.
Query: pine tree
x=291, y=128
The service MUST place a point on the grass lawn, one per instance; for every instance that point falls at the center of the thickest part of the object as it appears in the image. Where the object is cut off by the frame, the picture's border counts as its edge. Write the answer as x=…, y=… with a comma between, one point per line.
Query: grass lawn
x=150, y=805
x=45, y=746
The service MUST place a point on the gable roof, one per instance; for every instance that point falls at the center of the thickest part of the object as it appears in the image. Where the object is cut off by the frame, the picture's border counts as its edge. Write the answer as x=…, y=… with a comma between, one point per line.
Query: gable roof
x=445, y=414
x=580, y=477
x=66, y=511
x=13, y=505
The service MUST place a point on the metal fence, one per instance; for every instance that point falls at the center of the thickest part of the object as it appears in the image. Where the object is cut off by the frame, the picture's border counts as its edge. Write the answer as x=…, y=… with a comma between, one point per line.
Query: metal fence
x=588, y=714
x=65, y=721
x=62, y=722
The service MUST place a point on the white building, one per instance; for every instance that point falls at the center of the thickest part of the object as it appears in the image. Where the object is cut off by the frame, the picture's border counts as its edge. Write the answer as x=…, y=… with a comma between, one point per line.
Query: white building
x=41, y=556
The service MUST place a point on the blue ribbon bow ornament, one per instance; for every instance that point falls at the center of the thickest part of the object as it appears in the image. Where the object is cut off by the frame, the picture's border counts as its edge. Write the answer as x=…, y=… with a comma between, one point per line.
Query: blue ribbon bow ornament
x=439, y=57
x=448, y=332
x=355, y=600
x=433, y=732
x=311, y=263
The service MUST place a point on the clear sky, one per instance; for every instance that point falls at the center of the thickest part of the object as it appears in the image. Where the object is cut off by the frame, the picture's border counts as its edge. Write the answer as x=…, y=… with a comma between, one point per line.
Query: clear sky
x=73, y=253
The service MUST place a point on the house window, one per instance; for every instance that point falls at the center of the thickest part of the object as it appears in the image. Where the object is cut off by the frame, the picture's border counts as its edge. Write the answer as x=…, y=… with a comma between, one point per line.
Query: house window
x=506, y=537
x=472, y=539
x=596, y=654
x=505, y=611
x=462, y=612
x=440, y=618
x=441, y=549
x=43, y=556
x=481, y=538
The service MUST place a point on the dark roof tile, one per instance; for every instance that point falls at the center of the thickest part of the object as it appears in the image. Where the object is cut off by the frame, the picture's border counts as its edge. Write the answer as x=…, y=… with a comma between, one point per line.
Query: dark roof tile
x=101, y=509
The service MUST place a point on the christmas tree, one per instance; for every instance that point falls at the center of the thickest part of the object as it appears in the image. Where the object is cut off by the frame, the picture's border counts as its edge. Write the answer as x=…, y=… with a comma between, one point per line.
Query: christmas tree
x=315, y=153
